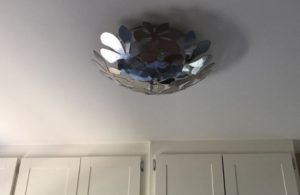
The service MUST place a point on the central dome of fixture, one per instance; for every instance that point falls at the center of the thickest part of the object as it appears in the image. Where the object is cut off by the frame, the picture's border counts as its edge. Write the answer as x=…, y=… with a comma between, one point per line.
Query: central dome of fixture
x=154, y=59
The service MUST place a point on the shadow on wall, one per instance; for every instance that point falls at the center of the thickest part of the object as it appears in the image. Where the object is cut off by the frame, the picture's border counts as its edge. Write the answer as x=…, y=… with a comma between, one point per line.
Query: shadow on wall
x=297, y=146
x=297, y=151
x=229, y=42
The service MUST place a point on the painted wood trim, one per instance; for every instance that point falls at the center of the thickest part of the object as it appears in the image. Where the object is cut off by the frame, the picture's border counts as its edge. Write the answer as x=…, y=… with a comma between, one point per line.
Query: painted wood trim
x=8, y=169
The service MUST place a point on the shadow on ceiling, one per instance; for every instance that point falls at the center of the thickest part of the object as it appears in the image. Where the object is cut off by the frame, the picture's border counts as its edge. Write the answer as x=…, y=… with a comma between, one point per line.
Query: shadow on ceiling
x=229, y=41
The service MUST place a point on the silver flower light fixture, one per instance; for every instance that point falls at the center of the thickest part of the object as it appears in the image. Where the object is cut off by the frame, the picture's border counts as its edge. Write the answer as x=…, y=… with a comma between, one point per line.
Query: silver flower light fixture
x=154, y=59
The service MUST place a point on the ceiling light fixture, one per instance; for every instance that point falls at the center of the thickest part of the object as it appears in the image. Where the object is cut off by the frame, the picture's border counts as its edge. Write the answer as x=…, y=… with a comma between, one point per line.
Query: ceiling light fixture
x=154, y=59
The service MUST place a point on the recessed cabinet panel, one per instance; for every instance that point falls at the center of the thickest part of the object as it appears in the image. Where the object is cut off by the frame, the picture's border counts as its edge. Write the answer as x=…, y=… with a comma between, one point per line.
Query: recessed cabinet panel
x=48, y=176
x=259, y=174
x=199, y=174
x=109, y=176
x=7, y=172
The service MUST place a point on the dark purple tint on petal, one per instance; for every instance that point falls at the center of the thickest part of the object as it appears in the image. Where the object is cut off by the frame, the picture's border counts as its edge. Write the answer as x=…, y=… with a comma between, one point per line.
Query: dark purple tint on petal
x=170, y=47
x=125, y=34
x=148, y=26
x=202, y=47
x=140, y=35
x=190, y=36
x=189, y=40
x=174, y=59
x=149, y=57
x=135, y=49
x=162, y=28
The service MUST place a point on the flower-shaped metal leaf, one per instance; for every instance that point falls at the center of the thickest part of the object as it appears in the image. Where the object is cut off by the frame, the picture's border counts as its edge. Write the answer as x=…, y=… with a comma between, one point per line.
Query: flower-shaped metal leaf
x=114, y=71
x=161, y=32
x=110, y=55
x=125, y=34
x=140, y=35
x=148, y=26
x=100, y=61
x=175, y=59
x=171, y=35
x=199, y=64
x=154, y=59
x=163, y=28
x=190, y=37
x=113, y=42
x=169, y=46
x=136, y=75
x=202, y=47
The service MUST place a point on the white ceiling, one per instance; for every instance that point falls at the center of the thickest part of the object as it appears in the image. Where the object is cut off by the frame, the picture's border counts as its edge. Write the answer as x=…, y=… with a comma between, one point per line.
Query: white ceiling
x=51, y=92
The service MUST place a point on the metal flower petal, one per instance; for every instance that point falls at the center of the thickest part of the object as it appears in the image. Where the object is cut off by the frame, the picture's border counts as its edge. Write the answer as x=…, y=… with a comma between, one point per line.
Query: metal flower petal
x=197, y=64
x=113, y=42
x=163, y=28
x=125, y=34
x=154, y=59
x=110, y=56
x=202, y=47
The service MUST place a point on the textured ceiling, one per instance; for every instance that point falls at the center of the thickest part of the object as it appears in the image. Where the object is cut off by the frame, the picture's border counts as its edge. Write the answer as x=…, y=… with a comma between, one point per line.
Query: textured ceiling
x=51, y=92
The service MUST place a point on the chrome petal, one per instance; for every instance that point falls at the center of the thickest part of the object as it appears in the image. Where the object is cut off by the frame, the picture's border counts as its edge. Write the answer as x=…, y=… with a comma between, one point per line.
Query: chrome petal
x=109, y=55
x=113, y=42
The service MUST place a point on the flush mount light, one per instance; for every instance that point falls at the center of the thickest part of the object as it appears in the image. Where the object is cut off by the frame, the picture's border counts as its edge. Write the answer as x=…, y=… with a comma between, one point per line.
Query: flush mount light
x=154, y=59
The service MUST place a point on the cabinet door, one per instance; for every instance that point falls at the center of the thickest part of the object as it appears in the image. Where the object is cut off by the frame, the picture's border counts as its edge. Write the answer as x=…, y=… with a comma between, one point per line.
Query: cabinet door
x=109, y=176
x=259, y=174
x=7, y=173
x=199, y=174
x=48, y=176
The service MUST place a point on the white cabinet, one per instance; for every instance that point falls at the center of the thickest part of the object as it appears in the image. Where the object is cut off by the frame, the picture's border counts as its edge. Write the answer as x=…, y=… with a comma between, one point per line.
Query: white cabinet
x=48, y=176
x=259, y=174
x=7, y=172
x=176, y=174
x=245, y=174
x=75, y=176
x=199, y=174
x=109, y=176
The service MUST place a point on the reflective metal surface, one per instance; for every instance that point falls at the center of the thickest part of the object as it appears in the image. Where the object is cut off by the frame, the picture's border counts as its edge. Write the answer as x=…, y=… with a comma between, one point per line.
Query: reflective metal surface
x=154, y=59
